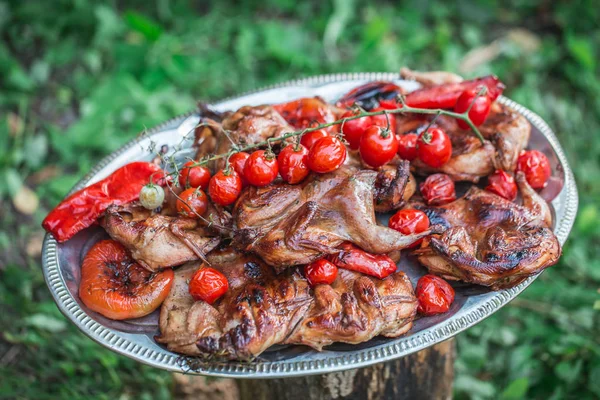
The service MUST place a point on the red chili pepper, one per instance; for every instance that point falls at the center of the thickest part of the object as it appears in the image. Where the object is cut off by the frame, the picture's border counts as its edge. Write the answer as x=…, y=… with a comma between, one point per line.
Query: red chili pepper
x=445, y=96
x=352, y=258
x=81, y=209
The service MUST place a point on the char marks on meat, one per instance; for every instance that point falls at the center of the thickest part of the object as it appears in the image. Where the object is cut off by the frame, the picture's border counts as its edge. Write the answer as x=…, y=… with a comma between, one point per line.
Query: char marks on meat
x=491, y=241
x=289, y=225
x=158, y=241
x=261, y=309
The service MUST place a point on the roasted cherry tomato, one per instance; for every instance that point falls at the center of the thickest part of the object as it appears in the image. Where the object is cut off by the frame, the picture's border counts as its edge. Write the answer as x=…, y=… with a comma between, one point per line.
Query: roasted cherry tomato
x=261, y=168
x=192, y=202
x=438, y=189
x=194, y=176
x=354, y=259
x=320, y=272
x=326, y=155
x=208, y=284
x=434, y=294
x=503, y=184
x=382, y=120
x=306, y=112
x=409, y=222
x=378, y=146
x=407, y=146
x=114, y=285
x=536, y=167
x=480, y=109
x=237, y=162
x=434, y=147
x=224, y=188
x=310, y=138
x=354, y=129
x=292, y=162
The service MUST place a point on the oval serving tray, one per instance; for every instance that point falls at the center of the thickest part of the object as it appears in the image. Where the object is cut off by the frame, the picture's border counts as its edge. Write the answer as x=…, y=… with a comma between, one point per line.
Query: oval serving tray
x=61, y=262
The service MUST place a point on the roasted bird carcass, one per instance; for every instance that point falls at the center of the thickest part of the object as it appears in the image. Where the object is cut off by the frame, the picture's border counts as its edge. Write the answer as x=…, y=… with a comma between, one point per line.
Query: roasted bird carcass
x=156, y=240
x=491, y=241
x=261, y=309
x=289, y=225
x=247, y=126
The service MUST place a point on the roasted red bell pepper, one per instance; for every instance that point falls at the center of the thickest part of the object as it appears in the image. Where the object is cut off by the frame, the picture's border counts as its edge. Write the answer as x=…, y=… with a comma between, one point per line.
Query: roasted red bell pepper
x=81, y=209
x=371, y=95
x=445, y=96
x=355, y=259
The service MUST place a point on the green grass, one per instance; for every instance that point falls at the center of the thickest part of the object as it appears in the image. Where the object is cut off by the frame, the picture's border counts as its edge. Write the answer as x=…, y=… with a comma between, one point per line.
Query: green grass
x=80, y=78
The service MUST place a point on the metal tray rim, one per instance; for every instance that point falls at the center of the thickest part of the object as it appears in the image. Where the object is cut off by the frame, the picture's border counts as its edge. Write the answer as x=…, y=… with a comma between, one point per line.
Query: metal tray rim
x=123, y=343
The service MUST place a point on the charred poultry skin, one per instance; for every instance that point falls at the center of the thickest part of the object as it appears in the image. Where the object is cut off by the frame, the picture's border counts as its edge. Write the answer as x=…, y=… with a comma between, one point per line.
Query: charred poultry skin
x=158, y=241
x=262, y=309
x=288, y=225
x=491, y=241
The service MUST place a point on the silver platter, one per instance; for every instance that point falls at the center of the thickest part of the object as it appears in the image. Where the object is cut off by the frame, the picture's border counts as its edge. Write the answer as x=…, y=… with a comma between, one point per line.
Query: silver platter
x=61, y=262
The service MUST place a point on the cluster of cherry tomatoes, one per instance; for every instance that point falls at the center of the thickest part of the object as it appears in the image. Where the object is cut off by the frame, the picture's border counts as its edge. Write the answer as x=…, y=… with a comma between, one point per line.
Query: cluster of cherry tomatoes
x=294, y=163
x=533, y=164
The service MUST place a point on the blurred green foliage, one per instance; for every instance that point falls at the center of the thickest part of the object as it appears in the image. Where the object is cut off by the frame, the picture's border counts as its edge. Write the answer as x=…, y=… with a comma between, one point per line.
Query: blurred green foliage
x=80, y=78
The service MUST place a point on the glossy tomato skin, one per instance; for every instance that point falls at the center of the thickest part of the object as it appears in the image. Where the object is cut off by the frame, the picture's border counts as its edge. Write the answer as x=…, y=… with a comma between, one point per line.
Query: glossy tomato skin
x=407, y=146
x=326, y=155
x=237, y=162
x=208, y=284
x=503, y=184
x=378, y=146
x=306, y=112
x=536, y=167
x=192, y=202
x=480, y=110
x=434, y=147
x=292, y=162
x=194, y=176
x=382, y=120
x=310, y=138
x=114, y=285
x=435, y=295
x=353, y=258
x=224, y=189
x=438, y=189
x=354, y=129
x=261, y=168
x=320, y=272
x=408, y=222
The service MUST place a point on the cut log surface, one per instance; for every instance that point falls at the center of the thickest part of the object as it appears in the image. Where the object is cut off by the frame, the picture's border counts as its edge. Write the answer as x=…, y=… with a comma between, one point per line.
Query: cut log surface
x=427, y=374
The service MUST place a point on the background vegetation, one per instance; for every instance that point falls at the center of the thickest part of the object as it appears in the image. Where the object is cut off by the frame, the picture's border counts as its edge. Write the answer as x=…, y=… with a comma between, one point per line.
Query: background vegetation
x=80, y=78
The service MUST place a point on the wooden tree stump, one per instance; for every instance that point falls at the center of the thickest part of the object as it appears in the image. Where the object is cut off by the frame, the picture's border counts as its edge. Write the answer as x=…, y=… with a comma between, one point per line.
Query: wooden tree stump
x=427, y=374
